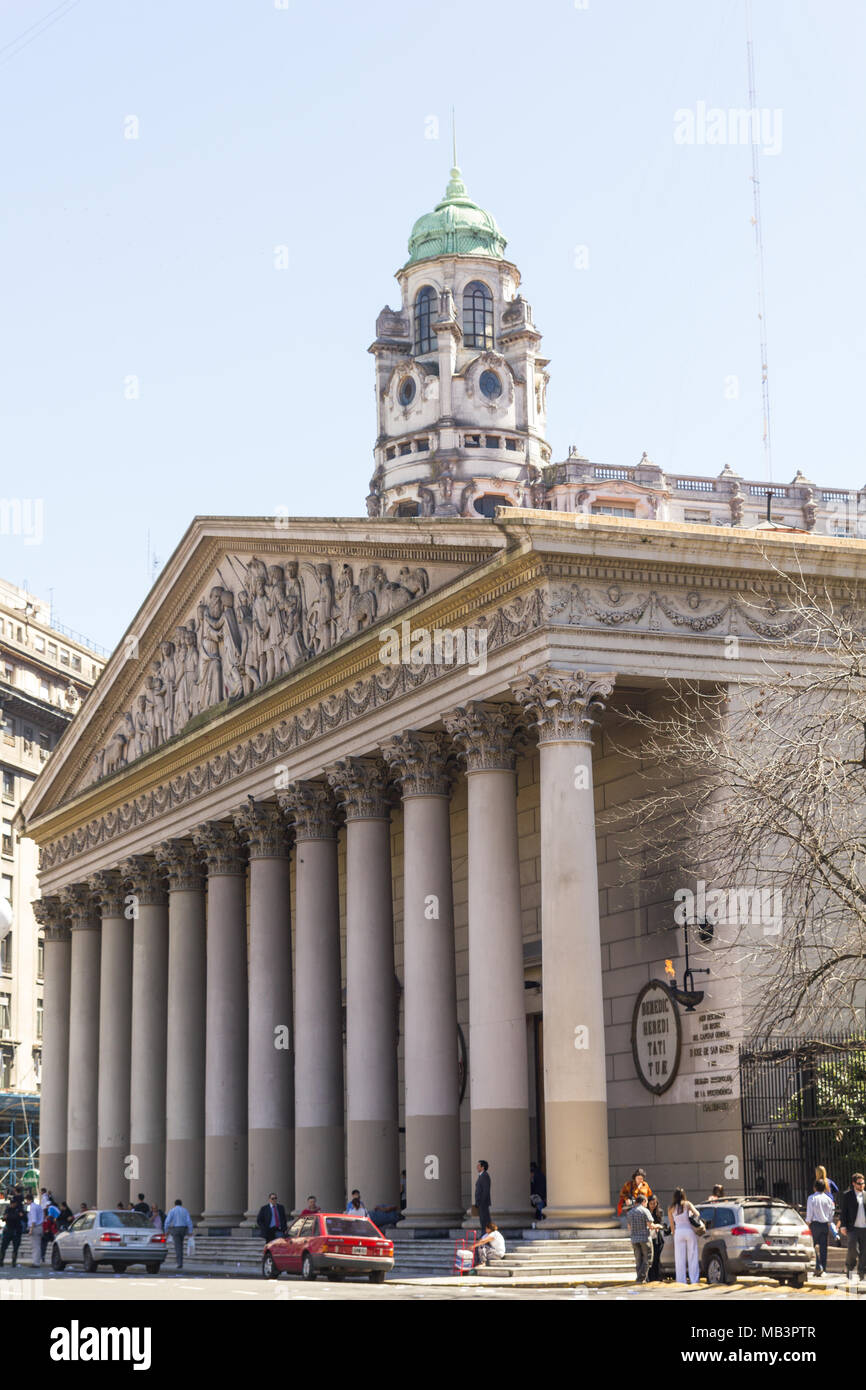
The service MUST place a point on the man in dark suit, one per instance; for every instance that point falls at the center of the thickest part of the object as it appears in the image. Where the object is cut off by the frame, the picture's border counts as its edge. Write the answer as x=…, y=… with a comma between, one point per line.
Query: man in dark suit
x=482, y=1193
x=271, y=1219
x=853, y=1225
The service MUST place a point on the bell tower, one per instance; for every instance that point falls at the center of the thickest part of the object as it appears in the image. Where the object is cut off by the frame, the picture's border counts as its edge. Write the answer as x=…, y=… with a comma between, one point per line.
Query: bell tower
x=460, y=380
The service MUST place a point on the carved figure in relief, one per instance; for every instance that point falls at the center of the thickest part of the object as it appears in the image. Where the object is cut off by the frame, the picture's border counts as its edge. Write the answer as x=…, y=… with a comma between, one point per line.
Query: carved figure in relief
x=220, y=648
x=276, y=606
x=250, y=678
x=345, y=592
x=168, y=669
x=323, y=611
x=416, y=582
x=295, y=594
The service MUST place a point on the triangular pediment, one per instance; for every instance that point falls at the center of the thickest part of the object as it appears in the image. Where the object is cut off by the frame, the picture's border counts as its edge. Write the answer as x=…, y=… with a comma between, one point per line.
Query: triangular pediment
x=242, y=605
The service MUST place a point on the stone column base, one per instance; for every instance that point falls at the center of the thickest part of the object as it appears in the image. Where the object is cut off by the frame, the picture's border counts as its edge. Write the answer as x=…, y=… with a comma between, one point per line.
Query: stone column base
x=505, y=1220
x=579, y=1218
x=419, y=1225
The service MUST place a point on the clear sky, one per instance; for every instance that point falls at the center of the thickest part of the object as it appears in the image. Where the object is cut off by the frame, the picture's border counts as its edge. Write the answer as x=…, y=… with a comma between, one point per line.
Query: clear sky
x=307, y=126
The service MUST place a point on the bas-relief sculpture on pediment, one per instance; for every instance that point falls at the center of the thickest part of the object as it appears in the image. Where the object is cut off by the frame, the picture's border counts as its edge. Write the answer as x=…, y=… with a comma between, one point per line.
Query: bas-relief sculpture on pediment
x=254, y=623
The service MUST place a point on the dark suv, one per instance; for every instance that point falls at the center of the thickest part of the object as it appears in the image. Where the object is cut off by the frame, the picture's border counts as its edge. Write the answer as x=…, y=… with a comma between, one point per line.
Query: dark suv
x=749, y=1235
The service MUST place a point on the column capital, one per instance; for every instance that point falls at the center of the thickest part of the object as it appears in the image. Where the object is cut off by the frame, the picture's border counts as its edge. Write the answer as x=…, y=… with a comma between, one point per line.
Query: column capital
x=420, y=762
x=146, y=877
x=51, y=916
x=487, y=735
x=564, y=704
x=108, y=891
x=361, y=785
x=180, y=864
x=262, y=826
x=311, y=808
x=220, y=846
x=78, y=902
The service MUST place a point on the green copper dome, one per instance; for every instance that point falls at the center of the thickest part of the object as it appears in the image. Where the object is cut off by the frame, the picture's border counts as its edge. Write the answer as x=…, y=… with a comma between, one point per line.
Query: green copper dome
x=456, y=227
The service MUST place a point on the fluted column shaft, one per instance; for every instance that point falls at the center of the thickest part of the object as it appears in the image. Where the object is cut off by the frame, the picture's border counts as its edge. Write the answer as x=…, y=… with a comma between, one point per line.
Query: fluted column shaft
x=271, y=1082
x=564, y=705
x=372, y=1160
x=185, y=1026
x=429, y=984
x=115, y=1040
x=54, y=1091
x=498, y=1063
x=149, y=1019
x=319, y=1125
x=81, y=1128
x=226, y=1027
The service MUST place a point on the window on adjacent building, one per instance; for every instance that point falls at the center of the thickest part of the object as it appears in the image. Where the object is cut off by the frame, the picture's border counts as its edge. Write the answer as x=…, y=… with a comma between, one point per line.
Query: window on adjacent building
x=40, y=957
x=44, y=690
x=7, y=888
x=52, y=650
x=5, y=1015
x=603, y=510
x=76, y=662
x=39, y=1014
x=425, y=309
x=64, y=657
x=486, y=505
x=44, y=746
x=7, y=1059
x=38, y=643
x=8, y=785
x=511, y=443
x=8, y=672
x=406, y=509
x=37, y=1065
x=7, y=837
x=477, y=315
x=19, y=634
x=8, y=729
x=472, y=441
x=493, y=441
x=6, y=954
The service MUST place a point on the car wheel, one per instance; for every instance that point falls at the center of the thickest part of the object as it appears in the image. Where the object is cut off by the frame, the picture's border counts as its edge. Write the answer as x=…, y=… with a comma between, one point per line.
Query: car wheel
x=308, y=1269
x=153, y=1266
x=120, y=1269
x=377, y=1276
x=269, y=1266
x=335, y=1278
x=798, y=1281
x=57, y=1261
x=716, y=1269
x=88, y=1261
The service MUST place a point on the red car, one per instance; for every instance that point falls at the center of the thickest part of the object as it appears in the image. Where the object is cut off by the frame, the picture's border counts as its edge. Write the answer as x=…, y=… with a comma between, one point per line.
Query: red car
x=330, y=1243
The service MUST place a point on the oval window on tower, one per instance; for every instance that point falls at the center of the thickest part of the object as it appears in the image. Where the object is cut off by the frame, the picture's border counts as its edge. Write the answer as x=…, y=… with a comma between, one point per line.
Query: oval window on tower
x=490, y=384
x=406, y=394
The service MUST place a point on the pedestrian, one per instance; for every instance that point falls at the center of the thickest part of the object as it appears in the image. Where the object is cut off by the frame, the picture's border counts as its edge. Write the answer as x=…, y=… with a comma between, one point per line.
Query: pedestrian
x=16, y=1222
x=681, y=1216
x=271, y=1219
x=66, y=1217
x=490, y=1247
x=640, y=1229
x=537, y=1190
x=853, y=1225
x=178, y=1223
x=717, y=1194
x=311, y=1208
x=402, y=1189
x=44, y=1198
x=35, y=1217
x=482, y=1192
x=83, y=1207
x=655, y=1210
x=820, y=1210
x=636, y=1183
x=142, y=1205
x=821, y=1172
x=356, y=1206
x=49, y=1226
x=156, y=1217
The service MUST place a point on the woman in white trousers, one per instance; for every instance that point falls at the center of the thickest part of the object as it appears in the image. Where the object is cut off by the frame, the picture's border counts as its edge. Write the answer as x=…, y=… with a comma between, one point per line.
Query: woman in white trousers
x=686, y=1258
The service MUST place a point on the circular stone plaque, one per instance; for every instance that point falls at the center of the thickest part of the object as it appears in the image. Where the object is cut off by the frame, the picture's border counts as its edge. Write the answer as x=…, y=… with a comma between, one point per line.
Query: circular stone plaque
x=656, y=1037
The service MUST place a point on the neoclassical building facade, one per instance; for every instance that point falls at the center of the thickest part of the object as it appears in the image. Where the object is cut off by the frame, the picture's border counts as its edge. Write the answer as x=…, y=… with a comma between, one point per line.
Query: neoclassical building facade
x=325, y=891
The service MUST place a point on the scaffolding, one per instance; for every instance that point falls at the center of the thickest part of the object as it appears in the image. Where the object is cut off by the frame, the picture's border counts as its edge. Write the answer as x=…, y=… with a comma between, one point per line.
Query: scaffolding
x=19, y=1137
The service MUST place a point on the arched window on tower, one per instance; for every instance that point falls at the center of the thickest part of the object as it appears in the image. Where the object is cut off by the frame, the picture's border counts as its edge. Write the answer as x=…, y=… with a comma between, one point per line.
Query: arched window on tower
x=425, y=308
x=477, y=315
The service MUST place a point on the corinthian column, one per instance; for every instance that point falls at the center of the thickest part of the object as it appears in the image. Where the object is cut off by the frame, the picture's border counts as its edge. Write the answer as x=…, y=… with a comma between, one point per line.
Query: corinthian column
x=498, y=1065
x=564, y=705
x=225, y=1177
x=371, y=1037
x=54, y=1092
x=419, y=760
x=81, y=1125
x=185, y=1025
x=271, y=1138
x=115, y=1039
x=146, y=882
x=319, y=1130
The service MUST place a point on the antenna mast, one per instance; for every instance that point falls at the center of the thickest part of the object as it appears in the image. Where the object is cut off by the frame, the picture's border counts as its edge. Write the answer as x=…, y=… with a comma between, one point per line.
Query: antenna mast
x=754, y=126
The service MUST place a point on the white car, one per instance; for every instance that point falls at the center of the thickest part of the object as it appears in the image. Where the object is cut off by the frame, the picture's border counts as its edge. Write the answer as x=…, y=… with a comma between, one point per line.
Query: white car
x=118, y=1238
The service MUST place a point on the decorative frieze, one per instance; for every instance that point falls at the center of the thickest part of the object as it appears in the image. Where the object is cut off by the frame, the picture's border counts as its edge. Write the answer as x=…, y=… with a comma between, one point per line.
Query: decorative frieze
x=262, y=826
x=361, y=785
x=220, y=847
x=180, y=863
x=487, y=735
x=564, y=705
x=311, y=809
x=420, y=761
